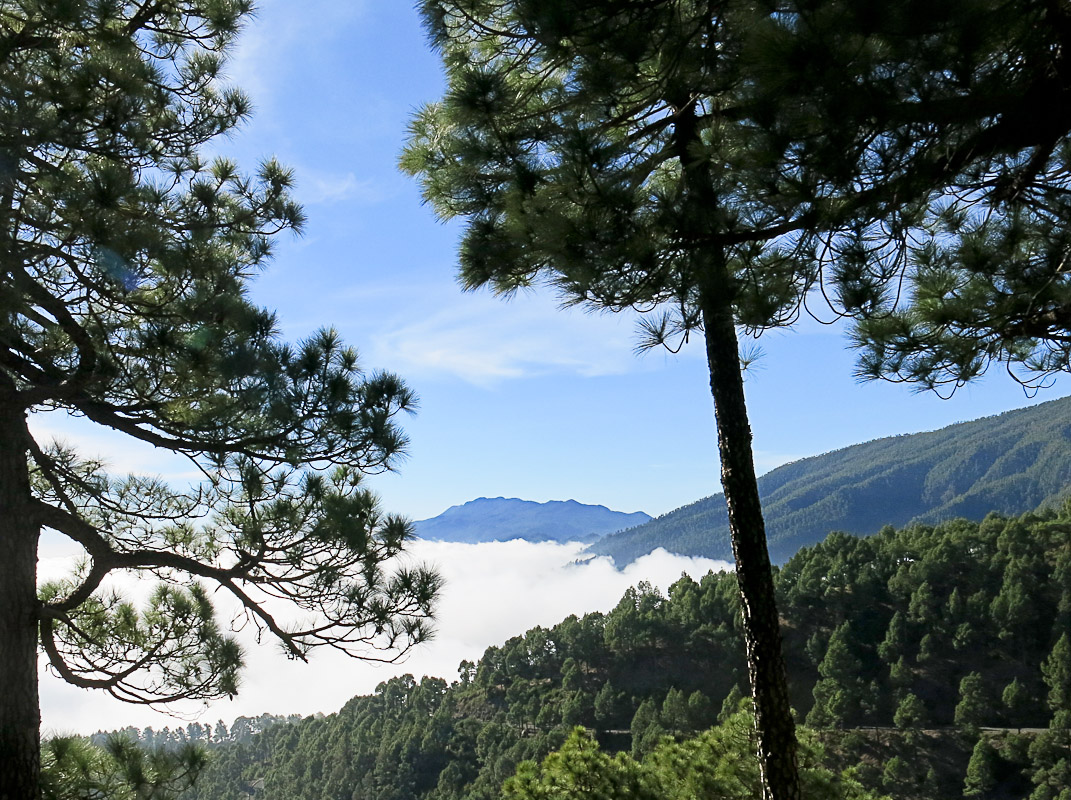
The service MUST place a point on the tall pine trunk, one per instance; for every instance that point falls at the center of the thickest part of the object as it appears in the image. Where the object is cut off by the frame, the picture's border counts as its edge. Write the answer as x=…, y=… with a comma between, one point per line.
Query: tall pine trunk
x=762, y=631
x=775, y=728
x=20, y=710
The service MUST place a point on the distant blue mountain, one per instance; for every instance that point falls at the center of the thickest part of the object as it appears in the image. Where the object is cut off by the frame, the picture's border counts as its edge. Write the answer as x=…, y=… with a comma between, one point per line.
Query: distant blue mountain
x=500, y=519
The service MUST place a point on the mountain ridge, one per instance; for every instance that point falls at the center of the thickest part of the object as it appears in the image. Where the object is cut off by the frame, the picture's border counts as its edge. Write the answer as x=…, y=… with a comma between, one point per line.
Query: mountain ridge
x=490, y=519
x=1010, y=463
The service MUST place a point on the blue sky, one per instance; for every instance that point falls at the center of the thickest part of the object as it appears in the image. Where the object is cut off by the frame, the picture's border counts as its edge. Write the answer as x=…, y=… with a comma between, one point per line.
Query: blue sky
x=518, y=398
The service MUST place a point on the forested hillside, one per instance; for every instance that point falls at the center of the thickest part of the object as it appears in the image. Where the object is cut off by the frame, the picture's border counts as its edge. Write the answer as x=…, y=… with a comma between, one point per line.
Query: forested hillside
x=902, y=648
x=1011, y=463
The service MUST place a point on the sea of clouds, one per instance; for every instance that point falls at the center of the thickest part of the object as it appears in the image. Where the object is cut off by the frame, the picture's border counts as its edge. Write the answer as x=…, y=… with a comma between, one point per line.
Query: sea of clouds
x=493, y=591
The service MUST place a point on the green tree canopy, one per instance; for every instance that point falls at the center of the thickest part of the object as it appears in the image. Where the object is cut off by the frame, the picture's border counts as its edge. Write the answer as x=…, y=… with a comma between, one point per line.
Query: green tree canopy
x=1015, y=699
x=950, y=149
x=980, y=779
x=715, y=763
x=838, y=695
x=911, y=713
x=972, y=709
x=127, y=256
x=601, y=148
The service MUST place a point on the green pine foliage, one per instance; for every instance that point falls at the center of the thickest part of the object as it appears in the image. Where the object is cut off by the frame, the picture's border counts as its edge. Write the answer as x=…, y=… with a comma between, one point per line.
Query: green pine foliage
x=897, y=775
x=973, y=707
x=660, y=666
x=911, y=713
x=718, y=763
x=980, y=779
x=838, y=695
x=1056, y=670
x=118, y=768
x=1016, y=701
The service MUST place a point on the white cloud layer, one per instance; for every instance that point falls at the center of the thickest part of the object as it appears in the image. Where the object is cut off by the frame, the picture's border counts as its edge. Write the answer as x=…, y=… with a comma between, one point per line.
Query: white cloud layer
x=494, y=591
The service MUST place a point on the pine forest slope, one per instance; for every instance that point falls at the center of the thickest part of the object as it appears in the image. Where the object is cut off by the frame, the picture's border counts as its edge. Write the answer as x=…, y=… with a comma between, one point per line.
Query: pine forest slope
x=1011, y=463
x=948, y=629
x=499, y=519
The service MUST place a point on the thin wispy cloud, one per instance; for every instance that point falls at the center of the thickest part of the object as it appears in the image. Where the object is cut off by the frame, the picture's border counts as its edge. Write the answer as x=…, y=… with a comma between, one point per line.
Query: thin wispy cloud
x=315, y=187
x=484, y=340
x=766, y=460
x=281, y=31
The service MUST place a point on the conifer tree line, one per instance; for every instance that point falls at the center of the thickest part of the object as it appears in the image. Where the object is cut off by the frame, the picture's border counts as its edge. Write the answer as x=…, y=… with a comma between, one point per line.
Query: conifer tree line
x=197, y=733
x=908, y=660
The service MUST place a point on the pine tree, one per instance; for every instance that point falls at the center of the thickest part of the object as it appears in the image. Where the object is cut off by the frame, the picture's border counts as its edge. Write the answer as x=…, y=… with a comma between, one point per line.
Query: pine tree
x=124, y=301
x=585, y=146
x=571, y=677
x=1016, y=701
x=607, y=705
x=897, y=776
x=956, y=607
x=896, y=639
x=911, y=713
x=1013, y=608
x=731, y=704
x=674, y=716
x=1056, y=670
x=965, y=636
x=900, y=674
x=930, y=784
x=972, y=705
x=923, y=605
x=577, y=708
x=645, y=728
x=927, y=647
x=837, y=696
x=816, y=648
x=701, y=711
x=980, y=778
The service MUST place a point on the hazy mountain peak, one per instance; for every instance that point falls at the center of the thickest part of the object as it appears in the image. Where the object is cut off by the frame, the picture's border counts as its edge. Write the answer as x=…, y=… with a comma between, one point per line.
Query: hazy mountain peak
x=491, y=519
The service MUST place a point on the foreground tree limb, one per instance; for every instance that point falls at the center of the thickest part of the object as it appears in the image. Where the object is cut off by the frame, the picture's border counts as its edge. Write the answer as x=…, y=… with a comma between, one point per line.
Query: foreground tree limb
x=125, y=259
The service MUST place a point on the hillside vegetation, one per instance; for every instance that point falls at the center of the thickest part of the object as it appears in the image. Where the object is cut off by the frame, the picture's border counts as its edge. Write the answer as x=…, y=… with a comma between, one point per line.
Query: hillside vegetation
x=903, y=648
x=1011, y=463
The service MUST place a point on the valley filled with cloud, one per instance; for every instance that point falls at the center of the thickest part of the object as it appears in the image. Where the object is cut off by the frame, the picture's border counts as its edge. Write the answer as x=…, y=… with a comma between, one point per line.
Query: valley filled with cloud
x=493, y=591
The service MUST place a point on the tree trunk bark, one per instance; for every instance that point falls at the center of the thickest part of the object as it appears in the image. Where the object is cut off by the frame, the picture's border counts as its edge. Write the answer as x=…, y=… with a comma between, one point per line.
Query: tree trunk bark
x=774, y=726
x=766, y=665
x=20, y=709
